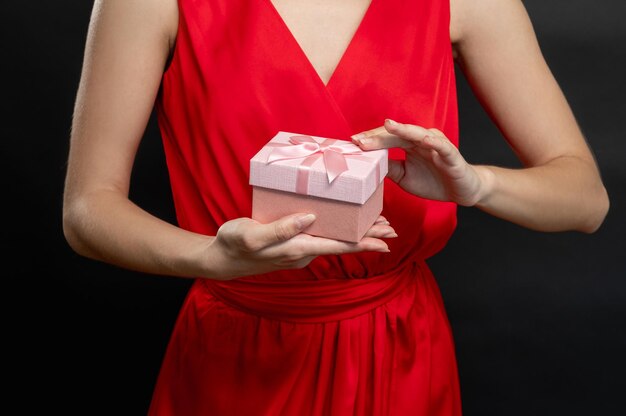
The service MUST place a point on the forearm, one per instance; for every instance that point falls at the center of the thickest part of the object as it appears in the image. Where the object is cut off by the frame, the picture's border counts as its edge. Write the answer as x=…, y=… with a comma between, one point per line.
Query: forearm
x=106, y=226
x=563, y=194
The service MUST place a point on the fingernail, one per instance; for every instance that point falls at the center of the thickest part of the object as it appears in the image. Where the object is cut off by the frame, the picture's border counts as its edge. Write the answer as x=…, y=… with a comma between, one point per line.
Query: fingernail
x=391, y=122
x=304, y=221
x=391, y=235
x=361, y=139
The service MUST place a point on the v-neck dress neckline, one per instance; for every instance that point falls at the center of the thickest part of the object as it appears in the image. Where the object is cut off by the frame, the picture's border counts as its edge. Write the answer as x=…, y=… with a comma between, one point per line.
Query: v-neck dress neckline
x=355, y=38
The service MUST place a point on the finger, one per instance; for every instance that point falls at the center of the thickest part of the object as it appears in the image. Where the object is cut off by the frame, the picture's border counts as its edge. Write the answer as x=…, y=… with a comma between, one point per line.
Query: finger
x=380, y=140
x=410, y=132
x=331, y=246
x=444, y=148
x=372, y=244
x=395, y=170
x=381, y=220
x=381, y=231
x=304, y=245
x=394, y=135
x=278, y=231
x=436, y=132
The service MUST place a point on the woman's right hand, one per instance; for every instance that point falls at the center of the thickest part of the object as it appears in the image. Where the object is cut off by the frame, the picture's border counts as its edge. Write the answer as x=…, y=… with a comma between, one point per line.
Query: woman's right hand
x=244, y=246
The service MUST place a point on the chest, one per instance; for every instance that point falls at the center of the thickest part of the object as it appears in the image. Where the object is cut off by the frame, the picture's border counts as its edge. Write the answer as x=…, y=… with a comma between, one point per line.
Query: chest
x=251, y=68
x=323, y=28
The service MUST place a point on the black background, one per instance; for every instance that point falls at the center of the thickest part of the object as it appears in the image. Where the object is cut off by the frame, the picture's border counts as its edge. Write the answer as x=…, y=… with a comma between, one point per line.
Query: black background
x=539, y=319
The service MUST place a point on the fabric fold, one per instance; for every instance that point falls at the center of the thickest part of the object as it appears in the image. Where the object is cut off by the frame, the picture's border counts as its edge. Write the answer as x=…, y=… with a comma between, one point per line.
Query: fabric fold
x=313, y=301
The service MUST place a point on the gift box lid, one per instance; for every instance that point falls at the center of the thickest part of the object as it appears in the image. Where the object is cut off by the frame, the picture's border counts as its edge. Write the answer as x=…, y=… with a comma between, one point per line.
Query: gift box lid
x=318, y=166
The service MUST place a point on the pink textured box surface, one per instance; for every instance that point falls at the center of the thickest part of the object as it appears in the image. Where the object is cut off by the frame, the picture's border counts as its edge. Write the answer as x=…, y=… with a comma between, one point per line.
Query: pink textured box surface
x=335, y=219
x=333, y=179
x=365, y=170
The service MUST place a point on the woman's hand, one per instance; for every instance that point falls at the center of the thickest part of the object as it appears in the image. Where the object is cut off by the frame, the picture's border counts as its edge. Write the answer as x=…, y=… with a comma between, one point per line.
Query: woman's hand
x=243, y=246
x=433, y=168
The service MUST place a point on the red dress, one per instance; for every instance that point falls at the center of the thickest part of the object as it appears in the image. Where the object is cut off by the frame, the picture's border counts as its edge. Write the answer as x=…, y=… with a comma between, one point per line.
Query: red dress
x=353, y=334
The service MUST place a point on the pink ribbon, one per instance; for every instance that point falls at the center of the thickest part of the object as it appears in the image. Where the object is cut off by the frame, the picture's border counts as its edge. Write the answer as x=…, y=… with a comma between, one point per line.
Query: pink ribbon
x=332, y=150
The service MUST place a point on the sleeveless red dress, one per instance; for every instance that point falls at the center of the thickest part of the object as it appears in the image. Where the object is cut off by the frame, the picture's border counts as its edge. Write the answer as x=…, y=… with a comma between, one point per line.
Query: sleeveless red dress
x=354, y=334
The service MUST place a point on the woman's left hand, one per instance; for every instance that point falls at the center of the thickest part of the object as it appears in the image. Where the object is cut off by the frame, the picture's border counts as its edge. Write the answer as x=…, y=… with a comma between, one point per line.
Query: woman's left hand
x=433, y=168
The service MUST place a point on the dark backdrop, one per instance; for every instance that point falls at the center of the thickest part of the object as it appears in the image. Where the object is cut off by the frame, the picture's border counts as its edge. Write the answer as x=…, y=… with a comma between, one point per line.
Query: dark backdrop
x=538, y=318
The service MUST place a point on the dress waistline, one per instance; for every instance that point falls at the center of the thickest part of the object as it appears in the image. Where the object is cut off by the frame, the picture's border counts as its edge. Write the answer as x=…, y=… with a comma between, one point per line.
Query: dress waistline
x=314, y=301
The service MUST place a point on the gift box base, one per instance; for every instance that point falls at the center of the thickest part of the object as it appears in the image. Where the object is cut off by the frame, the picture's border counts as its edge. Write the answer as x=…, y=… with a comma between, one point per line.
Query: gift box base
x=338, y=220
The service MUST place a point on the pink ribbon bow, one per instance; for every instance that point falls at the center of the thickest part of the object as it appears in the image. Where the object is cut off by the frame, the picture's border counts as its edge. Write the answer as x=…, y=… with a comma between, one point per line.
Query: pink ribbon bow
x=332, y=150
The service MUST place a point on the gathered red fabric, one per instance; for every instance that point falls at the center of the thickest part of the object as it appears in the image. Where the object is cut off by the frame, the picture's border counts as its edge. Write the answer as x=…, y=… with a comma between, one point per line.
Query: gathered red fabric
x=353, y=334
x=313, y=301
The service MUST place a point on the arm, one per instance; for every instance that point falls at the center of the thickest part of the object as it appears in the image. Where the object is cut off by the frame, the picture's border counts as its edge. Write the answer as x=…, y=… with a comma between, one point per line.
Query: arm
x=127, y=48
x=559, y=187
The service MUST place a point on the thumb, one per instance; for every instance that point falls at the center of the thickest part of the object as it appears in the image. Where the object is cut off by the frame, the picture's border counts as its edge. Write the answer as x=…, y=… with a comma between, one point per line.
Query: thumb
x=285, y=228
x=396, y=170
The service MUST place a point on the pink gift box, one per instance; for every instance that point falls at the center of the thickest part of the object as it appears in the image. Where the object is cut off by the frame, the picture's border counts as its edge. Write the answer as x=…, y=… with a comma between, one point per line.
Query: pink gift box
x=333, y=179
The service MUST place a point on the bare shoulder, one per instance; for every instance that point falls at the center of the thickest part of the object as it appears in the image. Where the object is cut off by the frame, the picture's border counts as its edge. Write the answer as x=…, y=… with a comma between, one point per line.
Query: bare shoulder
x=132, y=17
x=470, y=19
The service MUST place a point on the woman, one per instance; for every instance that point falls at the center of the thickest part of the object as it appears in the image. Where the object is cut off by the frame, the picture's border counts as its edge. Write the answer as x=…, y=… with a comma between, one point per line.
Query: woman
x=277, y=321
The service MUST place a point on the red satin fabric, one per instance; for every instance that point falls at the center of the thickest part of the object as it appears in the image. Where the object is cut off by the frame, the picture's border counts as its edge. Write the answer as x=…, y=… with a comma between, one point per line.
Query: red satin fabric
x=354, y=334
x=313, y=301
